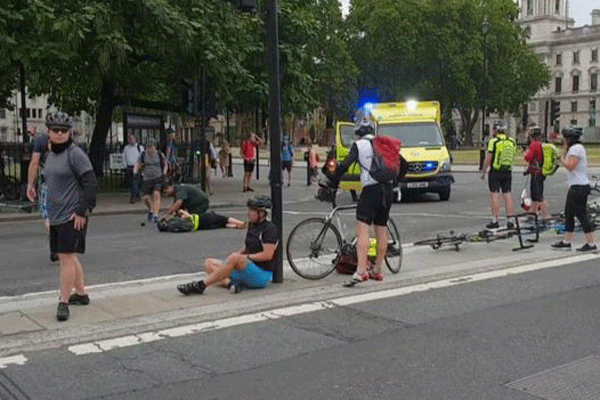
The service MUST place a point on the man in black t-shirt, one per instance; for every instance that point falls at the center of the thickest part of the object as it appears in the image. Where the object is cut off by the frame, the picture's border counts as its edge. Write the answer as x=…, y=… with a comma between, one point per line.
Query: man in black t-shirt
x=252, y=266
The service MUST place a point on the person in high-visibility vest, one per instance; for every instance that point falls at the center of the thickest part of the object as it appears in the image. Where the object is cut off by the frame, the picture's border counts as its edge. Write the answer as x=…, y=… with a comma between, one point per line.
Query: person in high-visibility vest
x=500, y=158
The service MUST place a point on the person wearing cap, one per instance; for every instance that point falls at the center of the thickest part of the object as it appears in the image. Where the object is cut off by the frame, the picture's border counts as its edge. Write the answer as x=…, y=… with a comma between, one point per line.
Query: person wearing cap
x=574, y=159
x=153, y=166
x=71, y=197
x=500, y=158
x=252, y=266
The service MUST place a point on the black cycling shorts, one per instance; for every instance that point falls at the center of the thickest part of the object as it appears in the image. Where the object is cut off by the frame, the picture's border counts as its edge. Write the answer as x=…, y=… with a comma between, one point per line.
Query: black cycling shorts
x=65, y=239
x=499, y=180
x=210, y=220
x=537, y=187
x=286, y=165
x=374, y=204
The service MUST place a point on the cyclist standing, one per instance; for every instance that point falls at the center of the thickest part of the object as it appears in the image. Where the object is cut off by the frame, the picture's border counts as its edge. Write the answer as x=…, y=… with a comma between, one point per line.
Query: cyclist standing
x=375, y=200
x=535, y=157
x=574, y=159
x=500, y=158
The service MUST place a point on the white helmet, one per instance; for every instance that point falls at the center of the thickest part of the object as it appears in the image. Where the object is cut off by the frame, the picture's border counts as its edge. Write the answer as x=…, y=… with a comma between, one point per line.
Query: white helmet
x=364, y=124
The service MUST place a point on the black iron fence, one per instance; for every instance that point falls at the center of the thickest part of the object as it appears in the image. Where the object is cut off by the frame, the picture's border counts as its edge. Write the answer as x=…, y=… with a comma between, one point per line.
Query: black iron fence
x=15, y=158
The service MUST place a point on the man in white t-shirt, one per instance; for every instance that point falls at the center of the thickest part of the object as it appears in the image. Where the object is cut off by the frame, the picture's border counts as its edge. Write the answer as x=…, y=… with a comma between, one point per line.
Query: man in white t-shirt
x=574, y=159
x=131, y=154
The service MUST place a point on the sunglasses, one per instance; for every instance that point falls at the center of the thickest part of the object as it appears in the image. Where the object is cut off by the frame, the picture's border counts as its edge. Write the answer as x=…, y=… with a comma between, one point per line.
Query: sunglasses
x=59, y=130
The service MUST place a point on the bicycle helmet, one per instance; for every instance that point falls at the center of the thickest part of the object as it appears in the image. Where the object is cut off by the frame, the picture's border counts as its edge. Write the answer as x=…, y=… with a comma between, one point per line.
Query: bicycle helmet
x=59, y=119
x=259, y=203
x=364, y=124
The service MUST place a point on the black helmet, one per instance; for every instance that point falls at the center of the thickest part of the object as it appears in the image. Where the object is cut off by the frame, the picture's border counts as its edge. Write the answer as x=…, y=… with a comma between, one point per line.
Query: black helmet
x=572, y=132
x=59, y=119
x=259, y=203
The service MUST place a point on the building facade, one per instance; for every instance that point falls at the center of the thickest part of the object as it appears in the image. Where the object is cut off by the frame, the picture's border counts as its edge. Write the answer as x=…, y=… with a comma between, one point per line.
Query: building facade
x=572, y=54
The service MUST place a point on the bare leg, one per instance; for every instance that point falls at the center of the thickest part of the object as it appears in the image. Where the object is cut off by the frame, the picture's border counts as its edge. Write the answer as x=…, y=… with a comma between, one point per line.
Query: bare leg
x=234, y=261
x=362, y=245
x=211, y=265
x=589, y=238
x=156, y=202
x=147, y=203
x=508, y=201
x=68, y=272
x=382, y=244
x=79, y=281
x=543, y=207
x=495, y=204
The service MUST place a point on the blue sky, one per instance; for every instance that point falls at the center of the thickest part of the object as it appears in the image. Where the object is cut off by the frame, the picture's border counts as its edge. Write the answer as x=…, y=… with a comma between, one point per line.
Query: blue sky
x=580, y=10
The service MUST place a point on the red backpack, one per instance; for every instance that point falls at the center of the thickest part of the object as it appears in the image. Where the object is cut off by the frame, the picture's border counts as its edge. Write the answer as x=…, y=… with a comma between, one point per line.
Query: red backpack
x=387, y=164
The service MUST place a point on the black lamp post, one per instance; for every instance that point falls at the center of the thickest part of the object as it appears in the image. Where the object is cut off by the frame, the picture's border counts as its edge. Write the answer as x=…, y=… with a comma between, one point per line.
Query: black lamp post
x=485, y=27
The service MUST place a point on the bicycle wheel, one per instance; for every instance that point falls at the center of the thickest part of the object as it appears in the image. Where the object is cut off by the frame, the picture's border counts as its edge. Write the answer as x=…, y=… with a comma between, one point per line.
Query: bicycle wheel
x=313, y=247
x=393, y=256
x=10, y=188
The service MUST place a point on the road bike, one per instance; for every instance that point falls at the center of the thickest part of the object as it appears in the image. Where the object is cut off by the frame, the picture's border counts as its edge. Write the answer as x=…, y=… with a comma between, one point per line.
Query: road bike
x=315, y=245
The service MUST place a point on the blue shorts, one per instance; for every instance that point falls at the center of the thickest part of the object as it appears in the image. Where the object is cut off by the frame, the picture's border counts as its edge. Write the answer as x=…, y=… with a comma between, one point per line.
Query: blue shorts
x=252, y=276
x=43, y=200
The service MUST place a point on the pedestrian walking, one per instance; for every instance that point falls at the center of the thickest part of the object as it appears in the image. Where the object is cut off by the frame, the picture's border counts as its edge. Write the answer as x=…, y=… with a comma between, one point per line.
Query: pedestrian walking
x=574, y=159
x=153, y=168
x=71, y=197
x=224, y=154
x=171, y=154
x=313, y=162
x=131, y=155
x=287, y=158
x=500, y=158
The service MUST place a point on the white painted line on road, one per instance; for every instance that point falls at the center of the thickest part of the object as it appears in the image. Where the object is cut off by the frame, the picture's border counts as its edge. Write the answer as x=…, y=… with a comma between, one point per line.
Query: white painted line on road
x=19, y=359
x=132, y=340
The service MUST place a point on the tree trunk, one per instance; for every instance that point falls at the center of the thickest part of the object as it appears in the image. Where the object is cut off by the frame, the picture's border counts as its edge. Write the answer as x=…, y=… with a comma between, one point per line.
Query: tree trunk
x=103, y=122
x=469, y=118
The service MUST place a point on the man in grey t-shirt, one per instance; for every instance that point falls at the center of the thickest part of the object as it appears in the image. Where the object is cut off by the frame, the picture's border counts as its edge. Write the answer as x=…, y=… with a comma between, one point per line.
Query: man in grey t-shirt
x=153, y=166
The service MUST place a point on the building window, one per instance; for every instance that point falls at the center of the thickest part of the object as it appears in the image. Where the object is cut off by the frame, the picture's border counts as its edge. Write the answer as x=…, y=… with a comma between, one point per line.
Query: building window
x=40, y=115
x=576, y=83
x=558, y=84
x=2, y=113
x=593, y=105
x=557, y=7
x=594, y=82
x=573, y=122
x=29, y=113
x=594, y=55
x=529, y=7
x=33, y=113
x=574, y=106
x=559, y=59
x=576, y=57
x=4, y=133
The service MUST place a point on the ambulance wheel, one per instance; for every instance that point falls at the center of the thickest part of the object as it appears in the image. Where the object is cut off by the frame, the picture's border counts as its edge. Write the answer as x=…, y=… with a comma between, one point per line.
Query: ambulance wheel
x=445, y=193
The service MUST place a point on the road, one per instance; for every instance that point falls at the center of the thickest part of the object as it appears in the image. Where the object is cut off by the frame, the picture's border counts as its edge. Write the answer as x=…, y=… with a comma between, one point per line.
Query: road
x=119, y=249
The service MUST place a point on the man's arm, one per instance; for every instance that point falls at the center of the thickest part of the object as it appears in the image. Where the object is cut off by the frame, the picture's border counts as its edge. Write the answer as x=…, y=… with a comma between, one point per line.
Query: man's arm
x=570, y=162
x=486, y=164
x=174, y=208
x=166, y=164
x=265, y=255
x=137, y=168
x=344, y=165
x=32, y=174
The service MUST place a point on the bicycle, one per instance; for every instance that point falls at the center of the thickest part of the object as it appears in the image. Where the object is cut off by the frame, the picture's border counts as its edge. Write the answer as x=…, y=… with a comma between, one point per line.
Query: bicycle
x=315, y=244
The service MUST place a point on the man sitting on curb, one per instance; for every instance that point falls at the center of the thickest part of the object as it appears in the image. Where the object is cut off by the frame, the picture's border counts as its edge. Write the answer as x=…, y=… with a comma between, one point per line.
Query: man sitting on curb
x=253, y=265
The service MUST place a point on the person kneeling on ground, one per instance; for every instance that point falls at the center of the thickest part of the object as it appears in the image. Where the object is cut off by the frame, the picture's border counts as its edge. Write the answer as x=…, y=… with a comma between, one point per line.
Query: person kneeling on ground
x=251, y=266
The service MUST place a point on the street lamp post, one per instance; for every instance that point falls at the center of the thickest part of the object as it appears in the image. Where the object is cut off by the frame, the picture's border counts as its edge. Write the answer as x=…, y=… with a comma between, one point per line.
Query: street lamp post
x=485, y=27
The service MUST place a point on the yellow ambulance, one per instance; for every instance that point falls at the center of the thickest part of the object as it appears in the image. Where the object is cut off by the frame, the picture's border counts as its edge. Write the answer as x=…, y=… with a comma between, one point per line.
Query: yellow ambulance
x=417, y=125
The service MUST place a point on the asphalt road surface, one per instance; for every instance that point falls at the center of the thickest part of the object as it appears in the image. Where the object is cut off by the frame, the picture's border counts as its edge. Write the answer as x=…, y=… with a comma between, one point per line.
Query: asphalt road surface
x=119, y=249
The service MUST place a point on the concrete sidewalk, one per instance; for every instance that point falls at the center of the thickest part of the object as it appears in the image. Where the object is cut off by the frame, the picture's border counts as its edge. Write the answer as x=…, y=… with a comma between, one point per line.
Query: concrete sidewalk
x=28, y=323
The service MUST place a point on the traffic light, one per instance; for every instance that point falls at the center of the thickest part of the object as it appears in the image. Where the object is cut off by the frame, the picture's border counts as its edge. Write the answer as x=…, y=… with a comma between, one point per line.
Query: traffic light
x=554, y=111
x=187, y=96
